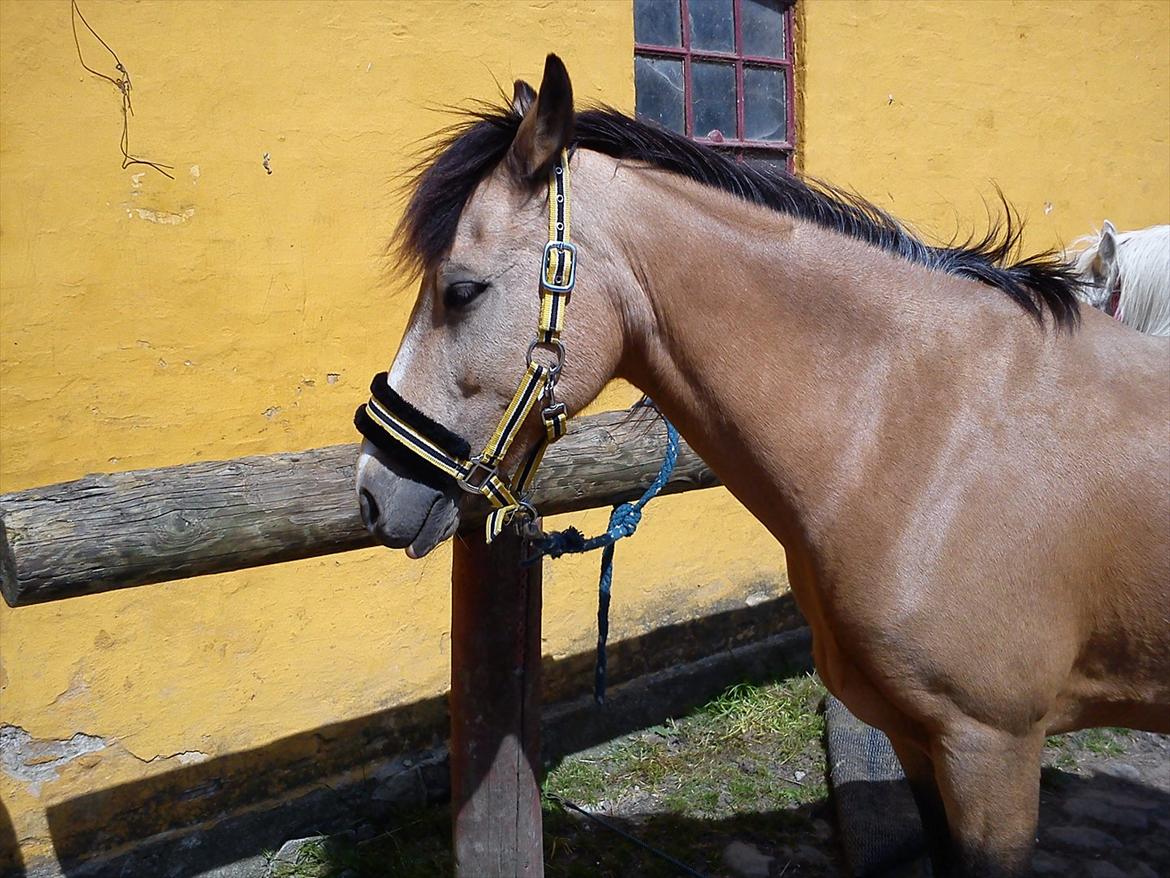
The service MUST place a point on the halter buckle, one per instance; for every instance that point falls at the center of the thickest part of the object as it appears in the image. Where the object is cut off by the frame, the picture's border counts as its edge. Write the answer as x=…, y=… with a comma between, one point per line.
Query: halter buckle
x=546, y=262
x=469, y=482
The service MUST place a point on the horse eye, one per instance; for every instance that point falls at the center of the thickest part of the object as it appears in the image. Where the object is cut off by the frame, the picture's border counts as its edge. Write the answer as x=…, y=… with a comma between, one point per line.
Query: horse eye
x=461, y=294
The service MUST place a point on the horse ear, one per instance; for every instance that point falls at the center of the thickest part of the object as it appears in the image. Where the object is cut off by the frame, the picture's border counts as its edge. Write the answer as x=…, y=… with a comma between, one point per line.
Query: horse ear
x=547, y=126
x=523, y=97
x=1107, y=248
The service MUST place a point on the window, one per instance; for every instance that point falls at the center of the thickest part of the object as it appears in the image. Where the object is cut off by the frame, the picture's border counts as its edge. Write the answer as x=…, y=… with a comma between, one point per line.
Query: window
x=719, y=71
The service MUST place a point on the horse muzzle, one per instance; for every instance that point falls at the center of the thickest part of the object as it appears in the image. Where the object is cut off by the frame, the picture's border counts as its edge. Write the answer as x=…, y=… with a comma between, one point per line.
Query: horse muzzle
x=402, y=512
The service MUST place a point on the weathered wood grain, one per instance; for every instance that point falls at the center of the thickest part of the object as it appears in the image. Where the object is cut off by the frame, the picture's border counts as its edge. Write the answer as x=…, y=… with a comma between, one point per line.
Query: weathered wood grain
x=105, y=532
x=495, y=710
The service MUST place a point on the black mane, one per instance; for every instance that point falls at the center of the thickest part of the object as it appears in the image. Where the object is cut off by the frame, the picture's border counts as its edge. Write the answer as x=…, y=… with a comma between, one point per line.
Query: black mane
x=467, y=152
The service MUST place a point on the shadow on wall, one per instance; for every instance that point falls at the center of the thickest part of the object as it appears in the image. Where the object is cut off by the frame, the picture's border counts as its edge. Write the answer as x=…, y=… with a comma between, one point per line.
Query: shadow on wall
x=11, y=863
x=238, y=805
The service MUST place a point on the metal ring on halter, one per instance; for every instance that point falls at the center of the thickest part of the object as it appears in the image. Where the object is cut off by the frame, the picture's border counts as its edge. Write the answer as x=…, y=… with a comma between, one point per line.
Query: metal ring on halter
x=532, y=534
x=555, y=369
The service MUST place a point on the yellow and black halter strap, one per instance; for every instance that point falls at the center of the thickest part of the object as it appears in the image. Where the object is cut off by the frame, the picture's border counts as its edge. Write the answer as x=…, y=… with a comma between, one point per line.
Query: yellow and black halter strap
x=384, y=417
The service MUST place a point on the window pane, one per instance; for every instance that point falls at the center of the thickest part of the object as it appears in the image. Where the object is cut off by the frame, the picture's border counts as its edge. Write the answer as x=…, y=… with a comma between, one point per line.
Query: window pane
x=713, y=98
x=657, y=22
x=765, y=106
x=763, y=28
x=712, y=27
x=658, y=90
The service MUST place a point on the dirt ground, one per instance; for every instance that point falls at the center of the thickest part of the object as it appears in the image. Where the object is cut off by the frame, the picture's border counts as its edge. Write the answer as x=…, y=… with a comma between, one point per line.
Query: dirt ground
x=738, y=789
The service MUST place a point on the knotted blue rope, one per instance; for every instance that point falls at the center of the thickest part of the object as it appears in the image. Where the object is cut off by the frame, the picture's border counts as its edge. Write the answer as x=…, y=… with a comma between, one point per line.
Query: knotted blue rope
x=623, y=521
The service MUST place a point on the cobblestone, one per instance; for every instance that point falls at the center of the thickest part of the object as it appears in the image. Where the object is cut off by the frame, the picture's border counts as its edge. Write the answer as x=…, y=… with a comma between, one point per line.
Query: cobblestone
x=1103, y=869
x=1096, y=808
x=1120, y=800
x=1081, y=837
x=1105, y=814
x=746, y=860
x=1044, y=863
x=1121, y=770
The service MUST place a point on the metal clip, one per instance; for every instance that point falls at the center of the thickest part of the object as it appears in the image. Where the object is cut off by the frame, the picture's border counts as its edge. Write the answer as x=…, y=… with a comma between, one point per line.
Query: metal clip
x=551, y=412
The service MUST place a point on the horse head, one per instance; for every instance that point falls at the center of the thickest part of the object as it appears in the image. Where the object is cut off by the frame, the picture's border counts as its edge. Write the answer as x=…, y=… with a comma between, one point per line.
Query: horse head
x=478, y=230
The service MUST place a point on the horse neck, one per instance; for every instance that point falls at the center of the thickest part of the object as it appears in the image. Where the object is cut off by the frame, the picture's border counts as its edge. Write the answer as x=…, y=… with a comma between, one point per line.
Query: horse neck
x=772, y=343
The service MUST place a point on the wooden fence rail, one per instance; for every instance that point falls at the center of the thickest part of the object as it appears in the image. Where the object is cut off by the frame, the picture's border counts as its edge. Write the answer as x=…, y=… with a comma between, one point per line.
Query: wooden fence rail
x=104, y=532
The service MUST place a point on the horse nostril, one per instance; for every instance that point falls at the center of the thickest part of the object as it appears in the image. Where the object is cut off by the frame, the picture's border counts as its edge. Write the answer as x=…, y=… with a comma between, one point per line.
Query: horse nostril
x=369, y=508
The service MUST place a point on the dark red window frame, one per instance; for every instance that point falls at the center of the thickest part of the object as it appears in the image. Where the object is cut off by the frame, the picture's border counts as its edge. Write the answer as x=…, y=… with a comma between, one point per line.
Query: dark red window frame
x=687, y=54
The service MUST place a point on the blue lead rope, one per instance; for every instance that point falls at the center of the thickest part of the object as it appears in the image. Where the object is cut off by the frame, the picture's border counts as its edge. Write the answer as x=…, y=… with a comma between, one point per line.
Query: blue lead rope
x=623, y=521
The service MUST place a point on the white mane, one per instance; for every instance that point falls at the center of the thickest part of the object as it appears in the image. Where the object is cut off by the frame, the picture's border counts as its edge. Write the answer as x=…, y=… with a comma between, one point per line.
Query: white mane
x=1140, y=264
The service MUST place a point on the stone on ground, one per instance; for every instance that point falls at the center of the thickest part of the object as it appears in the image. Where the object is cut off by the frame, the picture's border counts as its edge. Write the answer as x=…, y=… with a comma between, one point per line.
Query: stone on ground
x=746, y=860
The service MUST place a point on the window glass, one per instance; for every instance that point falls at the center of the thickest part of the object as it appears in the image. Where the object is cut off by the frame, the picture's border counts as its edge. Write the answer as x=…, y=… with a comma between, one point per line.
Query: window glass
x=713, y=101
x=763, y=28
x=712, y=25
x=658, y=85
x=657, y=22
x=717, y=70
x=765, y=108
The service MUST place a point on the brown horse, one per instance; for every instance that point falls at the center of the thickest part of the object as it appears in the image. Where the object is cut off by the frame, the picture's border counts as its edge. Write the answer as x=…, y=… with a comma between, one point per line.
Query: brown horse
x=971, y=479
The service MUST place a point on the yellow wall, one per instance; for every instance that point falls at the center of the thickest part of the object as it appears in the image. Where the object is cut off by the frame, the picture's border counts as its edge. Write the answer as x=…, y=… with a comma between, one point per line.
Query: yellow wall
x=147, y=322
x=924, y=106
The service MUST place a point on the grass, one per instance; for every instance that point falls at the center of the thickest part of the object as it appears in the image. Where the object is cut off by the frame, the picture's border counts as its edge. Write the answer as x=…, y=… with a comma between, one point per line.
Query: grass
x=747, y=765
x=1066, y=751
x=687, y=786
x=754, y=748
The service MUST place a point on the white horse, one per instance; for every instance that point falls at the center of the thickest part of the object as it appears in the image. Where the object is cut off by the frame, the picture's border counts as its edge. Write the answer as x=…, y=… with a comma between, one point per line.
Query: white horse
x=1127, y=275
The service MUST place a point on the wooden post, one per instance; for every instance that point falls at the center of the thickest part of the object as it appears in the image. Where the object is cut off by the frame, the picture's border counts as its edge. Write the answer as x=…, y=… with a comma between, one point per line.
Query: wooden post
x=495, y=709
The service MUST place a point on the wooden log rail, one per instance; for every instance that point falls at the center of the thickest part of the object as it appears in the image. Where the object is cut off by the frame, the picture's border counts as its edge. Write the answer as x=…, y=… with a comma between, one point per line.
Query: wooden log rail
x=104, y=532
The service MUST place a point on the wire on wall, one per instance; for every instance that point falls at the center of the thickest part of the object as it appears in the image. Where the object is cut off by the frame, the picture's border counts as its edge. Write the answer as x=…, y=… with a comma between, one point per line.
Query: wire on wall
x=123, y=84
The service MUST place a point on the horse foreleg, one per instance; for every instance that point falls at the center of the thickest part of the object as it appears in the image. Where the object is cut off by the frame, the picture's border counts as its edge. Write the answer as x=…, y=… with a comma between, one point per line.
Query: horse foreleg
x=919, y=770
x=990, y=786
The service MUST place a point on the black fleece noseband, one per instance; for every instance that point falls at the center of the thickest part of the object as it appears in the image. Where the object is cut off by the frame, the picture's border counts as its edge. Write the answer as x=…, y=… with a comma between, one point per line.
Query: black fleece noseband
x=407, y=462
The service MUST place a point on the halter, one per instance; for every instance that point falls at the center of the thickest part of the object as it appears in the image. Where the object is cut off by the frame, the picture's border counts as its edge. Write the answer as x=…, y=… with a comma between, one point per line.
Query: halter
x=394, y=425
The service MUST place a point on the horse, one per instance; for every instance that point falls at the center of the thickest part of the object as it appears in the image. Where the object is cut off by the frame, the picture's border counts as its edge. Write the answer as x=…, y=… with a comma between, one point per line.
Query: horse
x=920, y=427
x=1127, y=275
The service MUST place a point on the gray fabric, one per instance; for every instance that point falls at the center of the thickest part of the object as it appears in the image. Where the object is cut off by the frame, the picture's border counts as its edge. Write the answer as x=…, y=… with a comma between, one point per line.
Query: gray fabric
x=877, y=819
